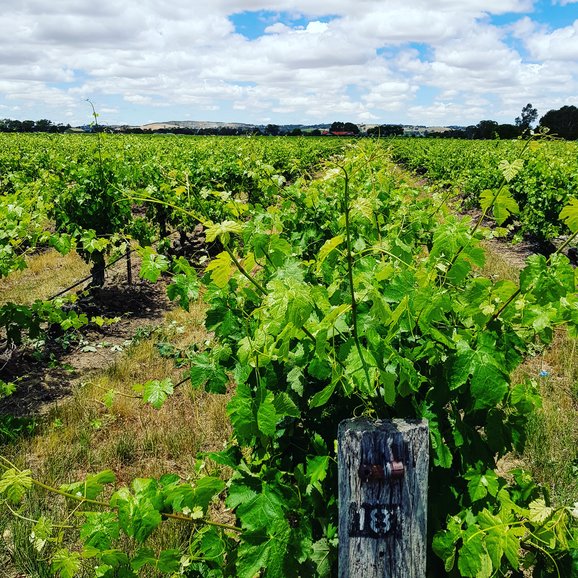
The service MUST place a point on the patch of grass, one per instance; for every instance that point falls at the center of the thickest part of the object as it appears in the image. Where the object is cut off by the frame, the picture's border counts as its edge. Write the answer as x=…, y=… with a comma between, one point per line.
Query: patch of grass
x=498, y=266
x=551, y=451
x=17, y=551
x=85, y=435
x=47, y=273
x=130, y=437
x=11, y=428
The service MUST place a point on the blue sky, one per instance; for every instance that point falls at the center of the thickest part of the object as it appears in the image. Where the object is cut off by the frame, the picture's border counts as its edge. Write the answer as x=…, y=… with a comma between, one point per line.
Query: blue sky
x=274, y=61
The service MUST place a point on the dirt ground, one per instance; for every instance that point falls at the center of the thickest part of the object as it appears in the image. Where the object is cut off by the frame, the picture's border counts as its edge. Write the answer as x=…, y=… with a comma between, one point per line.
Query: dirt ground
x=47, y=371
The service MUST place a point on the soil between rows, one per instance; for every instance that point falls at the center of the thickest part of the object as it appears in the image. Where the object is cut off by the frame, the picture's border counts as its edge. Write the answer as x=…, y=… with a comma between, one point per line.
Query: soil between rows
x=47, y=371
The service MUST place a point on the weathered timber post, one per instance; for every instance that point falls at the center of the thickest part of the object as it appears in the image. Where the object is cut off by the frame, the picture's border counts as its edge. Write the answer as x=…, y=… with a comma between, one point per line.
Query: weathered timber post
x=383, y=469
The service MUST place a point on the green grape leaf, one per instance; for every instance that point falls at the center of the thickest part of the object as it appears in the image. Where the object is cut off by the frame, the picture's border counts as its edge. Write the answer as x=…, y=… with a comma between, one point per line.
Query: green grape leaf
x=108, y=398
x=473, y=558
x=241, y=411
x=184, y=288
x=285, y=406
x=14, y=483
x=511, y=546
x=193, y=497
x=100, y=529
x=137, y=516
x=316, y=471
x=488, y=385
x=66, y=564
x=205, y=489
x=143, y=556
x=152, y=264
x=92, y=486
x=168, y=560
x=539, y=511
x=41, y=532
x=295, y=380
x=480, y=485
x=156, y=391
x=205, y=371
x=510, y=170
x=267, y=418
x=221, y=268
x=261, y=511
x=240, y=492
x=321, y=556
x=319, y=368
x=442, y=454
x=569, y=214
x=503, y=204
x=444, y=546
x=223, y=231
x=61, y=242
x=213, y=546
x=326, y=249
x=361, y=372
x=500, y=538
x=323, y=396
x=251, y=558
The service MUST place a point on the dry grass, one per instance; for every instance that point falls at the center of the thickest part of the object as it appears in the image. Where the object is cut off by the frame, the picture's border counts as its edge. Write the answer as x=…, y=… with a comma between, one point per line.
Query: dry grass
x=47, y=273
x=498, y=264
x=551, y=452
x=82, y=435
x=133, y=439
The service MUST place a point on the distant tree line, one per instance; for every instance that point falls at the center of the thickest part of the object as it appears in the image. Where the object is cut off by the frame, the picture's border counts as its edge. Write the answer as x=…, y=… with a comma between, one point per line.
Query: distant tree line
x=43, y=125
x=562, y=123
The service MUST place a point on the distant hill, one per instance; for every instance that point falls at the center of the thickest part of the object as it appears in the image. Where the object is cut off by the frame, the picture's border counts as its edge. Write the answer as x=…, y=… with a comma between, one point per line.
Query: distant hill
x=242, y=127
x=194, y=124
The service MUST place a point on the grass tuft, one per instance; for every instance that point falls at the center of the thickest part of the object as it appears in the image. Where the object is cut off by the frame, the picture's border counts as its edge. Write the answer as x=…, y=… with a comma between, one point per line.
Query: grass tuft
x=47, y=273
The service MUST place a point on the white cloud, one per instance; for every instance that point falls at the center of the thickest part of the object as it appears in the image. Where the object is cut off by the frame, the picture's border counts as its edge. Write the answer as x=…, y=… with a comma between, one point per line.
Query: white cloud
x=558, y=45
x=356, y=59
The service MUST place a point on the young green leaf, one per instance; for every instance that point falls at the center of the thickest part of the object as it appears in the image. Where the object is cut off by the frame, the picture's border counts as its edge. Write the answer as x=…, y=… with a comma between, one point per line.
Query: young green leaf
x=92, y=486
x=503, y=204
x=153, y=265
x=156, y=391
x=539, y=511
x=66, y=564
x=569, y=215
x=221, y=268
x=510, y=170
x=223, y=231
x=14, y=484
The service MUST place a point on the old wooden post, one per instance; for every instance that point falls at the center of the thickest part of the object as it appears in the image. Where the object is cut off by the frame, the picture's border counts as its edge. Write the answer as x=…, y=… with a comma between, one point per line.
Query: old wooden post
x=383, y=468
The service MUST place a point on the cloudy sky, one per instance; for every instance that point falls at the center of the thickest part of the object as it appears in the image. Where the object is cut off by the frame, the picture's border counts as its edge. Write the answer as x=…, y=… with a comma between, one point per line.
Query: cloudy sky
x=431, y=62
